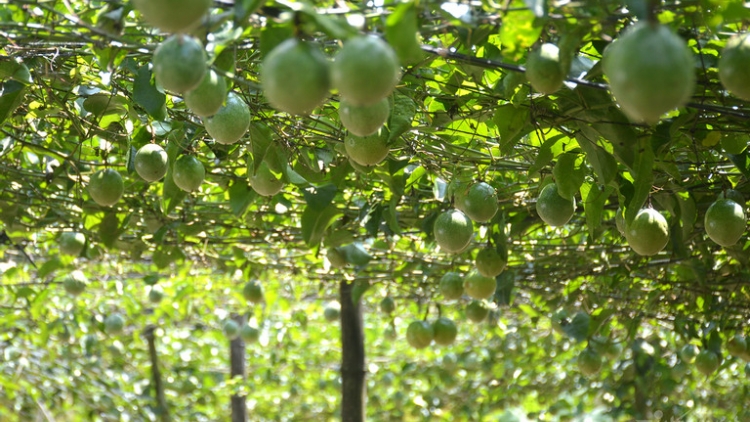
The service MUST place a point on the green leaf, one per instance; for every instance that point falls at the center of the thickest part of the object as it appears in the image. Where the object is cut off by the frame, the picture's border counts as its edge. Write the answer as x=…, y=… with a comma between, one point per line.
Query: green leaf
x=244, y=8
x=12, y=96
x=49, y=267
x=518, y=32
x=568, y=175
x=402, y=33
x=315, y=222
x=148, y=96
x=171, y=194
x=319, y=198
x=578, y=328
x=643, y=179
x=272, y=35
x=544, y=155
x=359, y=289
x=402, y=114
x=260, y=138
x=594, y=197
x=11, y=69
x=240, y=196
x=688, y=212
x=512, y=123
x=603, y=163
x=356, y=254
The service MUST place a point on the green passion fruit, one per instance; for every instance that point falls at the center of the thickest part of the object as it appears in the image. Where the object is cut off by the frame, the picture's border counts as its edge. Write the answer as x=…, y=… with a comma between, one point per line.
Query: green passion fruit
x=231, y=329
x=477, y=311
x=180, y=63
x=544, y=70
x=264, y=182
x=188, y=173
x=208, y=97
x=480, y=202
x=707, y=362
x=231, y=122
x=650, y=70
x=173, y=15
x=478, y=286
x=452, y=285
x=114, y=324
x=295, y=77
x=75, y=283
x=734, y=66
x=72, y=243
x=489, y=262
x=453, y=231
x=445, y=331
x=648, y=234
x=253, y=291
x=589, y=362
x=552, y=208
x=419, y=334
x=364, y=120
x=106, y=187
x=725, y=222
x=365, y=70
x=151, y=162
x=368, y=150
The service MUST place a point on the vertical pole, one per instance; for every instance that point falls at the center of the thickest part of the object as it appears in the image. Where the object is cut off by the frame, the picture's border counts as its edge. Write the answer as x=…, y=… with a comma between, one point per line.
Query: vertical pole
x=161, y=402
x=353, y=371
x=237, y=369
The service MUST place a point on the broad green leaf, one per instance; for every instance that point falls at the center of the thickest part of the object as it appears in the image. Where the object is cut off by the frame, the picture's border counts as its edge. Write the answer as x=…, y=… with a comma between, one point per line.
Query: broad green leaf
x=109, y=229
x=545, y=154
x=403, y=111
x=594, y=197
x=688, y=213
x=315, y=222
x=568, y=175
x=319, y=198
x=603, y=163
x=734, y=143
x=272, y=35
x=12, y=96
x=512, y=123
x=49, y=267
x=11, y=69
x=643, y=179
x=244, y=8
x=578, y=328
x=402, y=33
x=240, y=196
x=518, y=32
x=359, y=289
x=147, y=95
x=261, y=138
x=356, y=254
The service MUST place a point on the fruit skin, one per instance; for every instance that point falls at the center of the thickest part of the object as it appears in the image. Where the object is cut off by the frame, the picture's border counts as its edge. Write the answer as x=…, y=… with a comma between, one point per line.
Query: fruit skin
x=155, y=295
x=734, y=66
x=336, y=258
x=650, y=71
x=249, y=334
x=453, y=231
x=688, y=353
x=207, y=98
x=419, y=334
x=589, y=362
x=188, y=173
x=114, y=324
x=231, y=329
x=72, y=243
x=231, y=122
x=332, y=312
x=725, y=222
x=552, y=208
x=480, y=202
x=264, y=182
x=544, y=70
x=368, y=150
x=648, y=234
x=707, y=362
x=106, y=187
x=295, y=77
x=253, y=292
x=179, y=63
x=445, y=331
x=387, y=305
x=477, y=311
x=452, y=285
x=365, y=70
x=364, y=120
x=151, y=162
x=75, y=283
x=489, y=263
x=737, y=346
x=478, y=286
x=173, y=15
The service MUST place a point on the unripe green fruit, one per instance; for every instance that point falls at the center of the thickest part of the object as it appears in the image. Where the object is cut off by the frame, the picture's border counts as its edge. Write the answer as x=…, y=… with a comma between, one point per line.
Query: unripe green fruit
x=231, y=122
x=295, y=77
x=477, y=311
x=264, y=182
x=173, y=15
x=725, y=222
x=180, y=63
x=151, y=162
x=453, y=231
x=478, y=286
x=114, y=324
x=387, y=305
x=589, y=362
x=737, y=346
x=544, y=70
x=188, y=173
x=734, y=66
x=231, y=329
x=249, y=334
x=688, y=353
x=489, y=263
x=72, y=243
x=452, y=285
x=419, y=334
x=480, y=202
x=651, y=71
x=155, y=295
x=552, y=208
x=207, y=98
x=648, y=234
x=75, y=283
x=445, y=331
x=364, y=120
x=336, y=258
x=332, y=312
x=368, y=150
x=253, y=292
x=365, y=70
x=707, y=362
x=106, y=187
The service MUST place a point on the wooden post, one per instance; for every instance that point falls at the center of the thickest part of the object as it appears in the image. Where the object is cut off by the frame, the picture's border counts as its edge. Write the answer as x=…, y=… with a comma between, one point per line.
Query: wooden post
x=353, y=371
x=161, y=402
x=237, y=369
